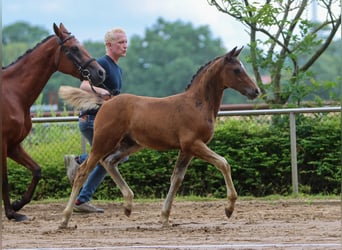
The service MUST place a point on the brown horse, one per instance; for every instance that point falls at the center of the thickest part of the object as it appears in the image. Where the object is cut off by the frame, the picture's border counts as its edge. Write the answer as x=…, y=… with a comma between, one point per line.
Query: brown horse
x=22, y=82
x=127, y=123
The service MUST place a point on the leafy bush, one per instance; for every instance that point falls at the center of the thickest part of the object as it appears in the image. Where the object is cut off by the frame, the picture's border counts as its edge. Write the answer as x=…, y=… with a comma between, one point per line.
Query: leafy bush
x=258, y=151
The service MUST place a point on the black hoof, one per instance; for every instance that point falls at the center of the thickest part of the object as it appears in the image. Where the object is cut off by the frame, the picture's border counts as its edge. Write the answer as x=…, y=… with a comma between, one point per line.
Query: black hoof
x=17, y=217
x=128, y=212
x=21, y=217
x=228, y=212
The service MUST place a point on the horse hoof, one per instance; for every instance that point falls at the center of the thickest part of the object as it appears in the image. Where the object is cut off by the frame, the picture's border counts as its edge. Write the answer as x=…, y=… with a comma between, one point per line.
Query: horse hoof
x=128, y=212
x=19, y=217
x=228, y=212
x=166, y=224
x=64, y=225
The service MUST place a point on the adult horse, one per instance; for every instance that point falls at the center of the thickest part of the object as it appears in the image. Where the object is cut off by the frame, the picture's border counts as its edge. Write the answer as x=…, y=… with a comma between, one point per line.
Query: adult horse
x=22, y=82
x=127, y=123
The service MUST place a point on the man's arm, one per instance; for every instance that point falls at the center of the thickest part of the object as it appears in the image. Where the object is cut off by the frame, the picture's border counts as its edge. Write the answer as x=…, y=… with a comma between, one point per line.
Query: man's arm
x=103, y=93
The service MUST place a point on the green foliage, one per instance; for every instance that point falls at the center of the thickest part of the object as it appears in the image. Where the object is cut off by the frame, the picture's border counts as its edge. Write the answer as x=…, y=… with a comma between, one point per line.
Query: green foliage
x=95, y=49
x=22, y=32
x=163, y=61
x=258, y=151
x=12, y=51
x=318, y=156
x=286, y=42
x=47, y=143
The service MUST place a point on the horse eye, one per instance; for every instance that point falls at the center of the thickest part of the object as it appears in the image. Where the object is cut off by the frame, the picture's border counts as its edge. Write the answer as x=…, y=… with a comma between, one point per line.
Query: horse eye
x=74, y=49
x=237, y=71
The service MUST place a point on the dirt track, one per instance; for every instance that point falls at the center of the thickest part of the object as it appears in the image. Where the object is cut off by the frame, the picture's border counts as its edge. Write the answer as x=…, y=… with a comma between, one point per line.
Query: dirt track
x=194, y=223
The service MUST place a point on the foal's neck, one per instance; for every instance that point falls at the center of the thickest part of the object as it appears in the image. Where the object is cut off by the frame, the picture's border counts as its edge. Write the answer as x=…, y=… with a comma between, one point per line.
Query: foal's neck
x=208, y=90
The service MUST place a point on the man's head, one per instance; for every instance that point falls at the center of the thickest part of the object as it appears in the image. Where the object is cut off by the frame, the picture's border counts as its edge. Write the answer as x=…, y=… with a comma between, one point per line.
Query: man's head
x=116, y=43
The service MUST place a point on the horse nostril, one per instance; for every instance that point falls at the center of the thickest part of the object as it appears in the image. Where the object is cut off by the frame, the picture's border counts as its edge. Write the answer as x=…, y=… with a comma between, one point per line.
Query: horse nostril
x=257, y=91
x=102, y=73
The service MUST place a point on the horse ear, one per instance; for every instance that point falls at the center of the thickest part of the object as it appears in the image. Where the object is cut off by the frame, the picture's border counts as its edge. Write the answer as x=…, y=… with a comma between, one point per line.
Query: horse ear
x=237, y=52
x=230, y=54
x=233, y=53
x=56, y=29
x=62, y=27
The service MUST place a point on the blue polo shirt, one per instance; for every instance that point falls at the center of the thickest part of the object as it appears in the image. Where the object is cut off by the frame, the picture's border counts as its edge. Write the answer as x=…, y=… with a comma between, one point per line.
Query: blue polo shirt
x=113, y=80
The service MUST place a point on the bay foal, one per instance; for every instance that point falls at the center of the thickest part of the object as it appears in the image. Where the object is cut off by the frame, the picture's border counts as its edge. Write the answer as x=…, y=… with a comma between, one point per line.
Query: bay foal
x=128, y=123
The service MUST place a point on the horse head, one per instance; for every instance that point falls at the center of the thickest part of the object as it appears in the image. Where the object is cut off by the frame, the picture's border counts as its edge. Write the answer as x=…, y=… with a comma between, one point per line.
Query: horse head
x=236, y=77
x=72, y=58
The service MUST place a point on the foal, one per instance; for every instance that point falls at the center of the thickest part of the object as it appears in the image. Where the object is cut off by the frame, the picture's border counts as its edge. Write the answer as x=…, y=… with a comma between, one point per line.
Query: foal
x=128, y=123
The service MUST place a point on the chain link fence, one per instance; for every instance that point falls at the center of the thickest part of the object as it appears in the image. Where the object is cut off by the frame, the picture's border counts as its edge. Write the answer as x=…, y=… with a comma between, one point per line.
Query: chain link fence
x=52, y=138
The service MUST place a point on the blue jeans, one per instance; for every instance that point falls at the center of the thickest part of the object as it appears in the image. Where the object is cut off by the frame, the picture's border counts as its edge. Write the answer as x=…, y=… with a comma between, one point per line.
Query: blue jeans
x=86, y=125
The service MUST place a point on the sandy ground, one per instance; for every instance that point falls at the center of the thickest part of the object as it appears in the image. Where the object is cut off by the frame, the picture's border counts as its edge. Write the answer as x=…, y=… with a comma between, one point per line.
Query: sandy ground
x=255, y=224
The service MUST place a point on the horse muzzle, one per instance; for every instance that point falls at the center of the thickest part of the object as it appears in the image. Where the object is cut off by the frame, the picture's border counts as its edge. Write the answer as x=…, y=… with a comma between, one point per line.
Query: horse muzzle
x=95, y=75
x=253, y=93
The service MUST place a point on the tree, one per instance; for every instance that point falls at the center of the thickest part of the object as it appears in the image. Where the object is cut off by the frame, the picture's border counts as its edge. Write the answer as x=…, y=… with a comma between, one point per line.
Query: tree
x=18, y=38
x=284, y=41
x=11, y=51
x=22, y=32
x=163, y=61
x=326, y=74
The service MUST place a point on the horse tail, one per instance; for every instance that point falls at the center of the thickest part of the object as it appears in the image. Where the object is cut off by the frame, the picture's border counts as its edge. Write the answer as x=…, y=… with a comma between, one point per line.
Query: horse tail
x=80, y=99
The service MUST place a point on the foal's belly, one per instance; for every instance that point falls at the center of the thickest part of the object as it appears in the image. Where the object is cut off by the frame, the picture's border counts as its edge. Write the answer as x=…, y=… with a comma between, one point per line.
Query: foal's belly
x=157, y=140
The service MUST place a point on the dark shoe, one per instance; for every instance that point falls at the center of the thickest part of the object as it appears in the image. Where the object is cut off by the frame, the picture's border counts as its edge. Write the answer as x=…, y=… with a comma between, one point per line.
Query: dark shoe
x=86, y=207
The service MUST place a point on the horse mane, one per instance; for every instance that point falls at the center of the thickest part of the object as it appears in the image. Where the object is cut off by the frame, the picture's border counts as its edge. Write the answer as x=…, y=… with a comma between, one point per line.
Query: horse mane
x=28, y=51
x=200, y=70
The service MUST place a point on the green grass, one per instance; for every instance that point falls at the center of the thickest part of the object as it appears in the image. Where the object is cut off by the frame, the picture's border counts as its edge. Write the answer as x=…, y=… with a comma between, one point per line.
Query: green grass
x=193, y=198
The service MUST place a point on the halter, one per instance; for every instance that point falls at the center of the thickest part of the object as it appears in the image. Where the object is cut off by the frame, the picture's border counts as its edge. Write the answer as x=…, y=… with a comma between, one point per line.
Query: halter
x=85, y=74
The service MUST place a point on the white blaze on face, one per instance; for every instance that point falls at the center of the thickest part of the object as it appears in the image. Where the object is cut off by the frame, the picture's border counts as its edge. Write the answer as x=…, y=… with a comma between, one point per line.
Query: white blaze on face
x=243, y=66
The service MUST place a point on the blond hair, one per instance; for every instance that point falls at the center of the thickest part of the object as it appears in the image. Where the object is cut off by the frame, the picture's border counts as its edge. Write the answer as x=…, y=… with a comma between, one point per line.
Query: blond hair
x=111, y=34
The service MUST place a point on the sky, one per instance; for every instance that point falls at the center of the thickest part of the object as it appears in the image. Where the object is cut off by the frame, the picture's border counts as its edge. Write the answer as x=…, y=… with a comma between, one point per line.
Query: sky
x=91, y=19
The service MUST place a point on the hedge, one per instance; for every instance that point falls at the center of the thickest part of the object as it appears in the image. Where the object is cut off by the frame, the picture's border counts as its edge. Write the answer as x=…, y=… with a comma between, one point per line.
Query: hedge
x=258, y=151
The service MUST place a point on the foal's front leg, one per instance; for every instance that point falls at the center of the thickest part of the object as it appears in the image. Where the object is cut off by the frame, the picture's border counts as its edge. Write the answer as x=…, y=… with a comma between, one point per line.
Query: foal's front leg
x=203, y=152
x=176, y=180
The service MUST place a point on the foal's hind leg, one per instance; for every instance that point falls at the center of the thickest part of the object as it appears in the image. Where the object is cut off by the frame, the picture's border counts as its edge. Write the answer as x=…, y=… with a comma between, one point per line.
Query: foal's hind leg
x=203, y=152
x=127, y=193
x=110, y=163
x=176, y=180
x=81, y=176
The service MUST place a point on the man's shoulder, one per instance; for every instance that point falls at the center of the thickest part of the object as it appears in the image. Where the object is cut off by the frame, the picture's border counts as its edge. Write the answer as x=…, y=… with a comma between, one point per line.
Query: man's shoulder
x=103, y=59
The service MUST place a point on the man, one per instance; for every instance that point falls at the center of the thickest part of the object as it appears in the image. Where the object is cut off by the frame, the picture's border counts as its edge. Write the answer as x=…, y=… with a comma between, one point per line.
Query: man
x=116, y=47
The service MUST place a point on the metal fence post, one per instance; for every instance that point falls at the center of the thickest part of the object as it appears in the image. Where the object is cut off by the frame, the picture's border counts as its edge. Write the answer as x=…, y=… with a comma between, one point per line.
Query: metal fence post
x=293, y=154
x=83, y=144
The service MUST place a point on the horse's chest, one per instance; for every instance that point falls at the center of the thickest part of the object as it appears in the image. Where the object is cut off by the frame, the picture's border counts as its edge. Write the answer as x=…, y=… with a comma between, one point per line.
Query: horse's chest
x=17, y=127
x=206, y=130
